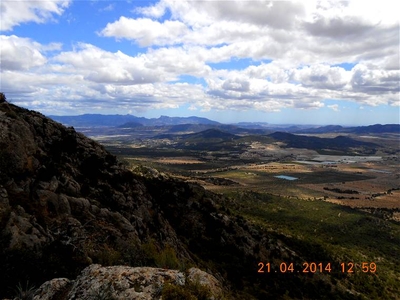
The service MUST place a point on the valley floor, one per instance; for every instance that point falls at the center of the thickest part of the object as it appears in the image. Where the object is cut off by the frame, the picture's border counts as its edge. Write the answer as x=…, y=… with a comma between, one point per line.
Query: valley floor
x=363, y=181
x=341, y=210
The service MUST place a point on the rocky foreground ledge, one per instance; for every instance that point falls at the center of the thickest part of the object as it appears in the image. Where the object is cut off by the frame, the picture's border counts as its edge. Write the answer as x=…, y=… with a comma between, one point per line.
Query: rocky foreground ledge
x=123, y=282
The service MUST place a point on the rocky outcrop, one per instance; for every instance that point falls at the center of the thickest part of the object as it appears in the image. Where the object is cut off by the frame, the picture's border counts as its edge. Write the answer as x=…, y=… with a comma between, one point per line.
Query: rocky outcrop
x=122, y=282
x=66, y=204
x=57, y=288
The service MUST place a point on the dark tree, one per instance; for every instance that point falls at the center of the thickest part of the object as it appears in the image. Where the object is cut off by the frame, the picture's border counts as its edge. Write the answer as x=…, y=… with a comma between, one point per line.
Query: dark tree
x=2, y=98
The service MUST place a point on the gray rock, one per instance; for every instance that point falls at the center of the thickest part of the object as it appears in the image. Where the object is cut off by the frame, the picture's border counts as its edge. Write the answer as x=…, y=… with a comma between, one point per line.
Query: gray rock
x=51, y=289
x=123, y=282
x=205, y=279
x=22, y=233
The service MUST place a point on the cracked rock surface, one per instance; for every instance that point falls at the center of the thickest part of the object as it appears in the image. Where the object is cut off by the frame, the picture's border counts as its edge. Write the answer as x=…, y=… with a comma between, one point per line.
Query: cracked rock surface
x=122, y=282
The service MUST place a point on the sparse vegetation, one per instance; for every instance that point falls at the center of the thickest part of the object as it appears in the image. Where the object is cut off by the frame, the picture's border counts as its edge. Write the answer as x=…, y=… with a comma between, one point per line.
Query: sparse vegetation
x=163, y=258
x=192, y=290
x=314, y=229
x=24, y=291
x=326, y=232
x=176, y=292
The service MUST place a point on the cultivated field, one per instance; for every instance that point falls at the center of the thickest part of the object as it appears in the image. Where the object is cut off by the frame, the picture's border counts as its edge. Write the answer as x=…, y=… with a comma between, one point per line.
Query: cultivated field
x=336, y=209
x=361, y=181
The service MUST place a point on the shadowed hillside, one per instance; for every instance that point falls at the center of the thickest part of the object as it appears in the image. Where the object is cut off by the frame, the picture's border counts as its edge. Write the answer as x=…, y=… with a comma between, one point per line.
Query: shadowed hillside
x=66, y=203
x=341, y=144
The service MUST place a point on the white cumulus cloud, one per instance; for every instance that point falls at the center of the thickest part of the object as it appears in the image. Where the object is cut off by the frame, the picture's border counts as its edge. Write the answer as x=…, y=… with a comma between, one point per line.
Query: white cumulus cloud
x=20, y=53
x=303, y=53
x=15, y=12
x=146, y=31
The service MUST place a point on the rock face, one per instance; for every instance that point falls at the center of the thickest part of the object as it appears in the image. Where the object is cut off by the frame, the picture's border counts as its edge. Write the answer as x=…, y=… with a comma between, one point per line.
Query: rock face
x=65, y=203
x=122, y=282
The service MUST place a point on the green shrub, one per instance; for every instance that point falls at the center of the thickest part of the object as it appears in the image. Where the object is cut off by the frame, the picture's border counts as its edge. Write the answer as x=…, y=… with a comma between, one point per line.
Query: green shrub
x=164, y=258
x=200, y=291
x=108, y=257
x=167, y=259
x=176, y=292
x=191, y=290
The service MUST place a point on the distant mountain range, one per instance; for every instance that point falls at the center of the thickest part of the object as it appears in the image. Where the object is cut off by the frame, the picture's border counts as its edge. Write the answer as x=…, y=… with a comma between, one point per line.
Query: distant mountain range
x=96, y=120
x=377, y=128
x=196, y=124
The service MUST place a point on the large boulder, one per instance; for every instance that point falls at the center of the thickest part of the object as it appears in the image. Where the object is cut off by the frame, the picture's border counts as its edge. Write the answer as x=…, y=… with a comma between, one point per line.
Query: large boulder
x=123, y=282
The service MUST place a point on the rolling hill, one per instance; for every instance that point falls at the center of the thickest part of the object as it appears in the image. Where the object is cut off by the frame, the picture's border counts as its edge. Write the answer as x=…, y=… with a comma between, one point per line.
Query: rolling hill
x=341, y=144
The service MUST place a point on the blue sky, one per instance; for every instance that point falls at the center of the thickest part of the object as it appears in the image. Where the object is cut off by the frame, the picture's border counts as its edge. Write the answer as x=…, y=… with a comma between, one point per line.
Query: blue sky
x=292, y=62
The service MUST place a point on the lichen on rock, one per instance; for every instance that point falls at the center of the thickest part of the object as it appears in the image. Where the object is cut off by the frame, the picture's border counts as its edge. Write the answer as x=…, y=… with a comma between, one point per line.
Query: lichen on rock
x=123, y=282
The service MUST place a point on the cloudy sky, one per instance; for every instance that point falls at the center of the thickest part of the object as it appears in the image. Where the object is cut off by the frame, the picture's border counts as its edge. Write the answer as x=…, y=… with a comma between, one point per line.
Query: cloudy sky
x=304, y=62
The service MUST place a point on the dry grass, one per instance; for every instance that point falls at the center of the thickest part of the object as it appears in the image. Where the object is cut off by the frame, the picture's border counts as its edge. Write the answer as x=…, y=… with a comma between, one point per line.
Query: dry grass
x=386, y=201
x=372, y=189
x=183, y=160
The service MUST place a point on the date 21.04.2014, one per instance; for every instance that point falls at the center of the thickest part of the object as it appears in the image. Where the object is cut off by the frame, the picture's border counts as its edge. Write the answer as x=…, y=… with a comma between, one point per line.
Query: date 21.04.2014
x=314, y=267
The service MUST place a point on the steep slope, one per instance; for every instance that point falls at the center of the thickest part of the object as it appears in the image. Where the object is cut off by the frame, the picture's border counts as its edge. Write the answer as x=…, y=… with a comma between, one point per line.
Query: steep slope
x=66, y=203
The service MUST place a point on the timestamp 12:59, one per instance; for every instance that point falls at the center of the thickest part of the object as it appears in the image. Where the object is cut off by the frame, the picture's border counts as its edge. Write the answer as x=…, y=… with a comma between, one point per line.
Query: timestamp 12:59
x=313, y=267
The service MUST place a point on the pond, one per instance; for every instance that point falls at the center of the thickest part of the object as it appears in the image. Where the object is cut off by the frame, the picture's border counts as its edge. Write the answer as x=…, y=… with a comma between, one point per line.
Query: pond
x=286, y=177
